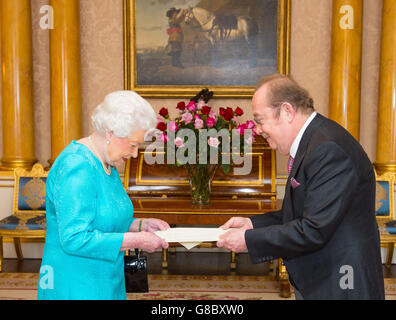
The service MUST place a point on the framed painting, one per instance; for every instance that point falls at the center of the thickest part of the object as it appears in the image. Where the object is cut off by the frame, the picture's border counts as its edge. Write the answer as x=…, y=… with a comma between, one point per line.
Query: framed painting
x=385, y=196
x=174, y=48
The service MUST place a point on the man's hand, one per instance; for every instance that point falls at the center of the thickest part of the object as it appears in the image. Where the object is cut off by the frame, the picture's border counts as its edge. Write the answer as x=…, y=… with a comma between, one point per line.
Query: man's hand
x=233, y=240
x=238, y=222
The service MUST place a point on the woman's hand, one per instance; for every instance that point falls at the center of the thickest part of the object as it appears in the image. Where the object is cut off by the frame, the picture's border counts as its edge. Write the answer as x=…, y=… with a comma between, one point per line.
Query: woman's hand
x=151, y=225
x=146, y=241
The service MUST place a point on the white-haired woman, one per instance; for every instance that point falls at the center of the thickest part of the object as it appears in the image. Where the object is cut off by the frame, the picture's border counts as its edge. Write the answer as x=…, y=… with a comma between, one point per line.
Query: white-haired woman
x=89, y=215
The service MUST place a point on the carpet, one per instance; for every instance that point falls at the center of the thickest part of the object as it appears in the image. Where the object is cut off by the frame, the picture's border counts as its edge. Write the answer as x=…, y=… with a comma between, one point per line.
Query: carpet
x=23, y=286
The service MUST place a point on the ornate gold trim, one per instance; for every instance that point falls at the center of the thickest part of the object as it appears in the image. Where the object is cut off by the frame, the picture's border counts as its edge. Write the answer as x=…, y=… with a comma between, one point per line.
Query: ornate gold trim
x=389, y=177
x=180, y=193
x=247, y=213
x=283, y=57
x=23, y=233
x=25, y=240
x=9, y=165
x=7, y=173
x=141, y=182
x=37, y=171
x=282, y=177
x=273, y=171
x=383, y=168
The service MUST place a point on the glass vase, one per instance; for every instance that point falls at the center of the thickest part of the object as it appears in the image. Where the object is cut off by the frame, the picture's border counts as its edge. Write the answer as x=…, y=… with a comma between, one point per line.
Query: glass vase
x=201, y=177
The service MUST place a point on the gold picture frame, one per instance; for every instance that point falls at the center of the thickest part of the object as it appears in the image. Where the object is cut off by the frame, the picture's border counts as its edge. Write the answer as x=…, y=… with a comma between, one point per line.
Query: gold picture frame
x=180, y=91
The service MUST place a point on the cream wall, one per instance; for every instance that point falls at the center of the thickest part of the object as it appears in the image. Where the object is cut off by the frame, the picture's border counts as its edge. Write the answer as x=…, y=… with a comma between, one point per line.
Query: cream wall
x=102, y=64
x=102, y=71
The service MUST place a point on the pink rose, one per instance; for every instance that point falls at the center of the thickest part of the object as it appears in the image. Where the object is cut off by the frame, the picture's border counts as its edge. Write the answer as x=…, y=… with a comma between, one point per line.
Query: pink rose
x=210, y=122
x=163, y=137
x=198, y=123
x=213, y=114
x=213, y=142
x=241, y=128
x=187, y=117
x=200, y=104
x=191, y=106
x=179, y=142
x=250, y=124
x=172, y=126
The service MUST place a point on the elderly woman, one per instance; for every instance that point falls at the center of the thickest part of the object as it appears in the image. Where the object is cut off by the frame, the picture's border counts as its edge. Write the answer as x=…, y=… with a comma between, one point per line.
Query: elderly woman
x=89, y=215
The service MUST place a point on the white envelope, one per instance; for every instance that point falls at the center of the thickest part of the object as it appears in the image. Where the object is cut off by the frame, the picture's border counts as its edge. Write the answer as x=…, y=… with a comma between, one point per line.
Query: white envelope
x=191, y=237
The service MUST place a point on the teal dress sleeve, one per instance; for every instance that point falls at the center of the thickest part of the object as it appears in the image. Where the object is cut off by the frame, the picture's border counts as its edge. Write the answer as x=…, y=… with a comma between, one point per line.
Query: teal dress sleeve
x=76, y=212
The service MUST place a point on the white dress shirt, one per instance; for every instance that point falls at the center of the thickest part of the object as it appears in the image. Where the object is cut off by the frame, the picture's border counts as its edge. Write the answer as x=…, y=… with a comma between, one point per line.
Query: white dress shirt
x=296, y=142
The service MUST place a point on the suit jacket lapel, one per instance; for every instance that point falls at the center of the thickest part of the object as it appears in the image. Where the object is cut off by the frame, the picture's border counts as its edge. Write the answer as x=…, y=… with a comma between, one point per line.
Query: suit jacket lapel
x=302, y=148
x=287, y=206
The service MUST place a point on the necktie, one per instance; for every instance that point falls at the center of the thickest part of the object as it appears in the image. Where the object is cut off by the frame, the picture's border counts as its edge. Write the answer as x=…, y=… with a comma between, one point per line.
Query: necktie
x=290, y=164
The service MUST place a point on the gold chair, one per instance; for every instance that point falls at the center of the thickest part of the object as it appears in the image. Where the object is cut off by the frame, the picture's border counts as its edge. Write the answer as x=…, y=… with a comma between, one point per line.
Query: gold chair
x=385, y=211
x=28, y=213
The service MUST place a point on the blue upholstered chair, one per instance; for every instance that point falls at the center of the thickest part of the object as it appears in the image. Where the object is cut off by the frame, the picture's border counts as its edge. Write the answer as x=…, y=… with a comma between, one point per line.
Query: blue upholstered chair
x=385, y=212
x=28, y=213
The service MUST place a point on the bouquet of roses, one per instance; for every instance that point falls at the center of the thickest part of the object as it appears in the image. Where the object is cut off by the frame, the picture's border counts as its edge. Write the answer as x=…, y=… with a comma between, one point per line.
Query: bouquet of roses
x=207, y=139
x=203, y=122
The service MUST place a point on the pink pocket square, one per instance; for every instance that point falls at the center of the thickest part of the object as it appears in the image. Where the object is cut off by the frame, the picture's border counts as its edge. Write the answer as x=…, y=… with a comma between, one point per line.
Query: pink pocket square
x=294, y=183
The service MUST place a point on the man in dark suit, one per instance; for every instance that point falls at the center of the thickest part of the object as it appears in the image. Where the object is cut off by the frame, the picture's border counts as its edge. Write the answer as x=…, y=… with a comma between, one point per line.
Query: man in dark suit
x=326, y=231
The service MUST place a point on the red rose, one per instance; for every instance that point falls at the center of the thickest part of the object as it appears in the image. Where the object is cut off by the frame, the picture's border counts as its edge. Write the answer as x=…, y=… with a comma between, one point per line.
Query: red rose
x=238, y=111
x=205, y=110
x=181, y=105
x=164, y=112
x=161, y=126
x=229, y=114
x=222, y=112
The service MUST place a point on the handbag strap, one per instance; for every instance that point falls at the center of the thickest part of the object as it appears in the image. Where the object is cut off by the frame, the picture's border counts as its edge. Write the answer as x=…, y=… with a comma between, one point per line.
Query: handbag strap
x=137, y=253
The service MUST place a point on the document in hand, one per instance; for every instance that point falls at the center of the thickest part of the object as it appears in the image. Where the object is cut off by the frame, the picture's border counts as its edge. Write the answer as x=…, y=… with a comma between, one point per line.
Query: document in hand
x=191, y=237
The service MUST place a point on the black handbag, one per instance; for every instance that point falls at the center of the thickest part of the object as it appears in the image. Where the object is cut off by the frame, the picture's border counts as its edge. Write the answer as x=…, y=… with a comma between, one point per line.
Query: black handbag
x=136, y=273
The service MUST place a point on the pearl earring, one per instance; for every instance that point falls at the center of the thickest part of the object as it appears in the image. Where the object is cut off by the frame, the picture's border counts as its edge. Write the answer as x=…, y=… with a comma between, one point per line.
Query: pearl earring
x=107, y=142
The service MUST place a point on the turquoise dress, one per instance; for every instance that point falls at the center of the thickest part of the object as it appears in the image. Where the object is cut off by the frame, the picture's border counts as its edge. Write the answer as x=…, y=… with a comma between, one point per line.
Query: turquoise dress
x=88, y=213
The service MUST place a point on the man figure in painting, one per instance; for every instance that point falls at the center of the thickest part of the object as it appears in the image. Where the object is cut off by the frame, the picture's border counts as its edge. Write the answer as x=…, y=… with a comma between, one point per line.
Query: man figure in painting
x=176, y=36
x=326, y=231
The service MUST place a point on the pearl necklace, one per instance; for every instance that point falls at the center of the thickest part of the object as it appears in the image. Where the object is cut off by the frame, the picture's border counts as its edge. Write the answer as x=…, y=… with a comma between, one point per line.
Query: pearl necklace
x=106, y=169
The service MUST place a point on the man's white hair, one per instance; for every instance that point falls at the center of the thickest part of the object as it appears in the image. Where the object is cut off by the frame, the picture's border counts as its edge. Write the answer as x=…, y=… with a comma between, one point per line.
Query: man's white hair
x=123, y=112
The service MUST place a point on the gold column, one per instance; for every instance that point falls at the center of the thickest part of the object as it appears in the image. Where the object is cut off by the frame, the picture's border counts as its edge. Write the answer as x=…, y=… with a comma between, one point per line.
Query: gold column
x=386, y=132
x=17, y=84
x=66, y=118
x=346, y=61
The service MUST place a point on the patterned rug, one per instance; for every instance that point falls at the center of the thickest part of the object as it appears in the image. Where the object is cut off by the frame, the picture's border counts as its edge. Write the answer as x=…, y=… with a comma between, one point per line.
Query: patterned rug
x=23, y=286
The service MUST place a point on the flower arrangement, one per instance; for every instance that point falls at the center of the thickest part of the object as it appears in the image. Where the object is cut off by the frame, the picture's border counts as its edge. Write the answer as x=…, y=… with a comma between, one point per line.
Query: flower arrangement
x=203, y=140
